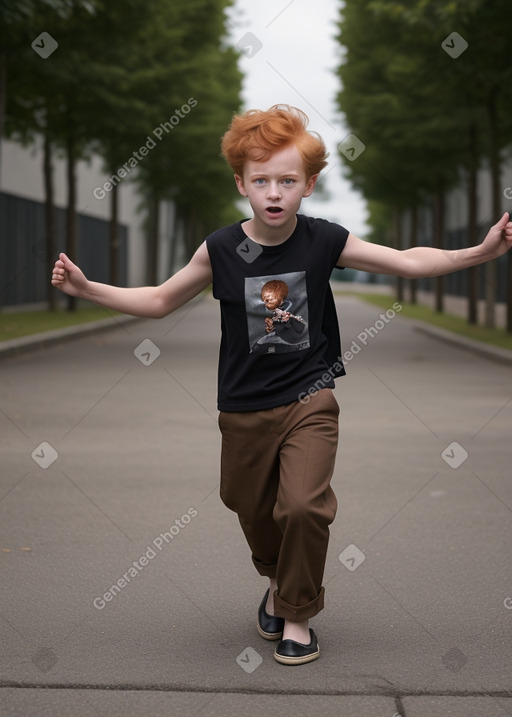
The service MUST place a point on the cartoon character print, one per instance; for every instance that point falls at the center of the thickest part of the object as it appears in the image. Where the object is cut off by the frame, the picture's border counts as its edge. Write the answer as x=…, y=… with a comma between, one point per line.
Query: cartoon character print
x=284, y=330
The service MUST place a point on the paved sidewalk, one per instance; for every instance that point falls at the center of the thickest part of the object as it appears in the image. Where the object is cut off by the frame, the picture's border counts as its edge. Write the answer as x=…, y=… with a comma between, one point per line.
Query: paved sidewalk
x=127, y=586
x=455, y=305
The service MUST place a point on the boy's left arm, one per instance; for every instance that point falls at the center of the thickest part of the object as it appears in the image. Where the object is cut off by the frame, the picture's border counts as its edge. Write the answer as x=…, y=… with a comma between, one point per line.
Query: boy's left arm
x=421, y=262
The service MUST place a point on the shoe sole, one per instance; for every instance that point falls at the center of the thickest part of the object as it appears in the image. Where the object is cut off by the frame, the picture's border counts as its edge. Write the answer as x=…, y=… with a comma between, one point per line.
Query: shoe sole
x=269, y=635
x=284, y=660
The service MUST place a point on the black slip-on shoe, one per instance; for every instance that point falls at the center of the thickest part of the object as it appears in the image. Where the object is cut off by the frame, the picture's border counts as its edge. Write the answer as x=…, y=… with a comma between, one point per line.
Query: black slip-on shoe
x=269, y=626
x=289, y=652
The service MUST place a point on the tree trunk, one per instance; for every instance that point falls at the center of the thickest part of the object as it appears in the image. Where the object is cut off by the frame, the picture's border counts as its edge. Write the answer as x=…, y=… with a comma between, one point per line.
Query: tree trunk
x=413, y=241
x=491, y=272
x=71, y=235
x=50, y=224
x=472, y=229
x=3, y=91
x=152, y=243
x=114, y=237
x=3, y=83
x=397, y=244
x=438, y=240
x=174, y=242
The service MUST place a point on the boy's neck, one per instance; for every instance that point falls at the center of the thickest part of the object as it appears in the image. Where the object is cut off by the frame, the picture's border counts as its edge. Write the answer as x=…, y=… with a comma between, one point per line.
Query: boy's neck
x=269, y=236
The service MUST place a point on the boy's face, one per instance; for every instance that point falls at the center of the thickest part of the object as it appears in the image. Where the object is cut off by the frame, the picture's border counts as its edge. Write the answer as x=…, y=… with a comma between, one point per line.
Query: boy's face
x=276, y=187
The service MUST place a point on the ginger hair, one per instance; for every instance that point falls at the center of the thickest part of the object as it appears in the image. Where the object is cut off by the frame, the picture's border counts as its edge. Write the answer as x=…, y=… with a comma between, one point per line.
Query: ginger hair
x=277, y=287
x=257, y=134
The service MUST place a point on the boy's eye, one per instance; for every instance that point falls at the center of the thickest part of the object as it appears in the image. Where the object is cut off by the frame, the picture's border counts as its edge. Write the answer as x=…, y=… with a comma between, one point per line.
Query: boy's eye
x=259, y=180
x=288, y=182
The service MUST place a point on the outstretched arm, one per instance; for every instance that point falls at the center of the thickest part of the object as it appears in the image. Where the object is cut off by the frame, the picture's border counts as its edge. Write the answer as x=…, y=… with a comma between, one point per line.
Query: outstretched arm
x=152, y=302
x=421, y=262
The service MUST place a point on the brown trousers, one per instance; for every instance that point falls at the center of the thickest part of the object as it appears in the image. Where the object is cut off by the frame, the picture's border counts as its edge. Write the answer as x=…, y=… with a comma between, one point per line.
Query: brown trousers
x=276, y=467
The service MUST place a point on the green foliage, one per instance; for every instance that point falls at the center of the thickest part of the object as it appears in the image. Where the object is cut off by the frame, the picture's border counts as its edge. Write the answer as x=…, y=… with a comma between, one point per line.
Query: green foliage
x=422, y=113
x=187, y=164
x=380, y=218
x=391, y=101
x=26, y=323
x=119, y=72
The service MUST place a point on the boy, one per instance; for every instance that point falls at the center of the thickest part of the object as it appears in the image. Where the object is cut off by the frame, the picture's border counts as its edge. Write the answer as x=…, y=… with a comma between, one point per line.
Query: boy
x=278, y=452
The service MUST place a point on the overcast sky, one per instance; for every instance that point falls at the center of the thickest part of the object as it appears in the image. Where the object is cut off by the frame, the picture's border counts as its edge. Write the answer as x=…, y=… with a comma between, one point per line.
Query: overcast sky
x=289, y=57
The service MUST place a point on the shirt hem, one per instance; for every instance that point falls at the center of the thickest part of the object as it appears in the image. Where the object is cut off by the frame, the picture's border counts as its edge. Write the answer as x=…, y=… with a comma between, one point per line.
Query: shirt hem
x=267, y=405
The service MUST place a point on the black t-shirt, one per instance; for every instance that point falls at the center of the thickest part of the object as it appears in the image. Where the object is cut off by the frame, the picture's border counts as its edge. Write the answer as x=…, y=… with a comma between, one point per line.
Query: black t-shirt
x=280, y=332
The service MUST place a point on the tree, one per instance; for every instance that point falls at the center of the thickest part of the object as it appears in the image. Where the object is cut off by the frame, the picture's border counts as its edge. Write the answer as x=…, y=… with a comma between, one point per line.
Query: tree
x=186, y=164
x=127, y=77
x=472, y=87
x=390, y=102
x=43, y=101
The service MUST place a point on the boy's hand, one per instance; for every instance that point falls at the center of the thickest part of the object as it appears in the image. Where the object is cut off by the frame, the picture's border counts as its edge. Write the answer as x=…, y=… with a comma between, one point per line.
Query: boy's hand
x=68, y=277
x=499, y=237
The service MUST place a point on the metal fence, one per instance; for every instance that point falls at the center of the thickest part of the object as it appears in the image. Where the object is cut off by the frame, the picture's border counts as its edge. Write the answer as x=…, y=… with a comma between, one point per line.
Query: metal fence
x=23, y=274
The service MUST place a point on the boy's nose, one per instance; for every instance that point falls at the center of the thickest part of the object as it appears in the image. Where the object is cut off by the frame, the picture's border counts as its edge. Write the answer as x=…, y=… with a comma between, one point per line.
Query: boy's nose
x=273, y=192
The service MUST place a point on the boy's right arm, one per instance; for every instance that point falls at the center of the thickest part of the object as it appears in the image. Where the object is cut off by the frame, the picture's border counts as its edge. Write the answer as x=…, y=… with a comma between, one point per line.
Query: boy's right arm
x=152, y=302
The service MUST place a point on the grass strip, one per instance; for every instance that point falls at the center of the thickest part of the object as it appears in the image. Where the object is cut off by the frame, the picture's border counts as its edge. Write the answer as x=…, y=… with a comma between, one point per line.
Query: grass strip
x=25, y=323
x=450, y=322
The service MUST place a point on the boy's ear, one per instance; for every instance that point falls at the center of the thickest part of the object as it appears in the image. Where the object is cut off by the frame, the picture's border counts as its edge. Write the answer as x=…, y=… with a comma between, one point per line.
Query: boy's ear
x=310, y=185
x=240, y=185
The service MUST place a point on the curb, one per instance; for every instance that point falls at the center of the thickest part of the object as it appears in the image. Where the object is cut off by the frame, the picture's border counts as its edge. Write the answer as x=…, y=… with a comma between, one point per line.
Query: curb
x=493, y=353
x=13, y=347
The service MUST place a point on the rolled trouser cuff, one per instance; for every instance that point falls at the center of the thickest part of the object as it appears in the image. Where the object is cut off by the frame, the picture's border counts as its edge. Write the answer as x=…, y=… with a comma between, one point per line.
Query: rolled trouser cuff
x=298, y=613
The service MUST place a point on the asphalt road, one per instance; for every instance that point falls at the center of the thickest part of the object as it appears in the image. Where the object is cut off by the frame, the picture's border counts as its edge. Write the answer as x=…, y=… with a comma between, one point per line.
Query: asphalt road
x=127, y=586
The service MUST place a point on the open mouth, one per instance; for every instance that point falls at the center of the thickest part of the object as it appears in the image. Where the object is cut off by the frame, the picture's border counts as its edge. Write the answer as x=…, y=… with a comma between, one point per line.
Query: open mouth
x=274, y=210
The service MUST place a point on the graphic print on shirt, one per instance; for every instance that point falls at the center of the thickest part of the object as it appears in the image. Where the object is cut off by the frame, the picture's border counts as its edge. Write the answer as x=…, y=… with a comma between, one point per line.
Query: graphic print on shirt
x=277, y=313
